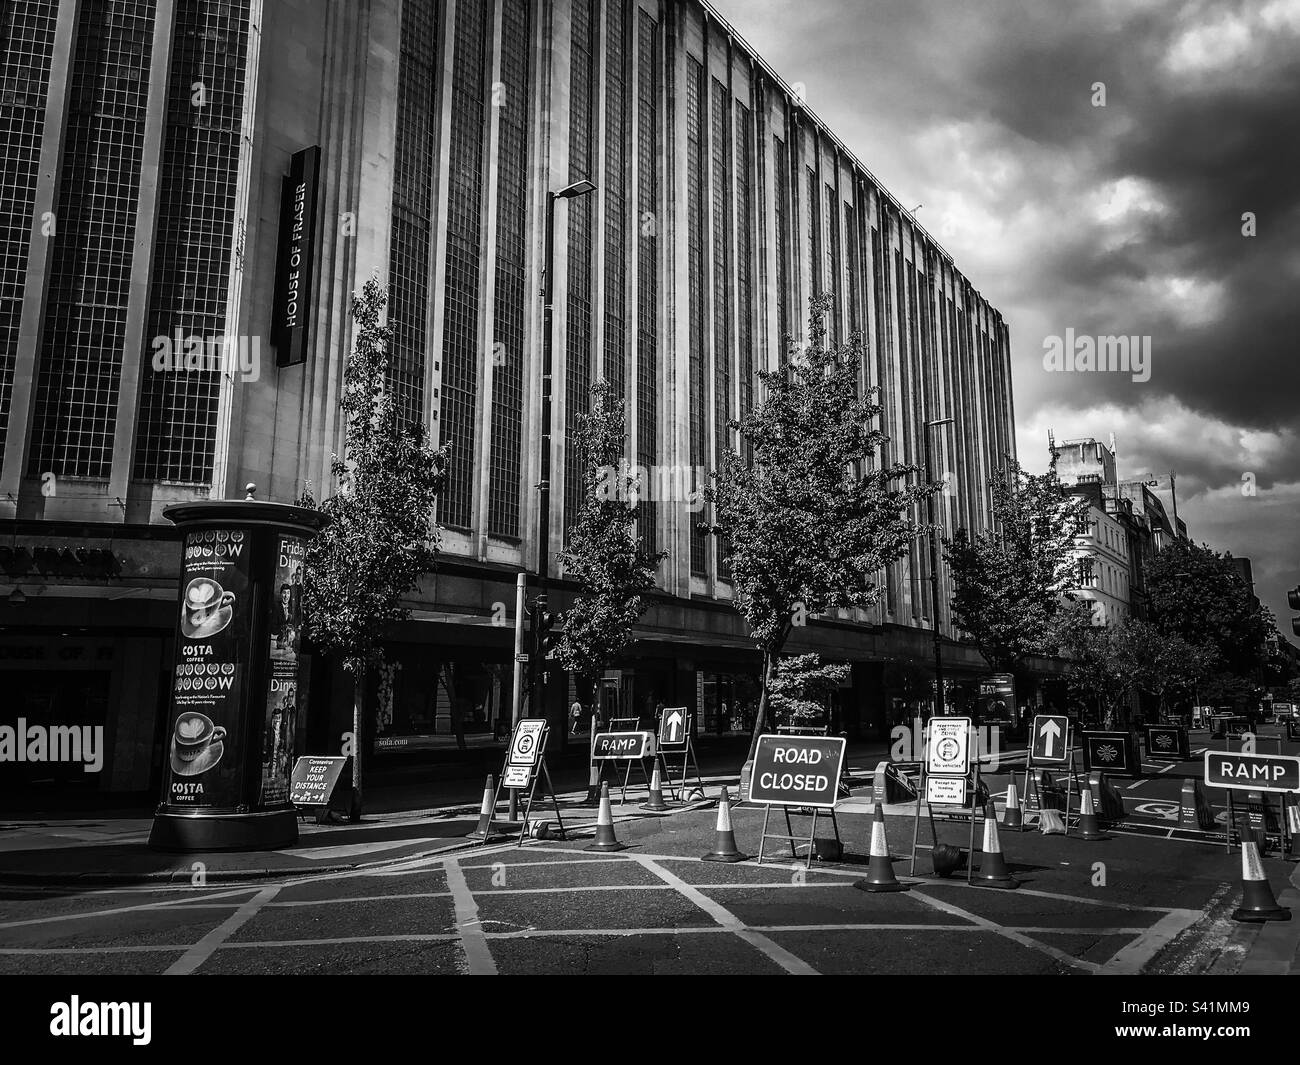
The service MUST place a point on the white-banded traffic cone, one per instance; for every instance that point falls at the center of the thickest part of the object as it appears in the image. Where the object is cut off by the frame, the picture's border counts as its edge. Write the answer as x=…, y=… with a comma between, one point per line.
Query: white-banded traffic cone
x=993, y=869
x=1012, y=817
x=1293, y=830
x=724, y=840
x=1088, y=827
x=655, y=804
x=605, y=839
x=484, y=828
x=1258, y=903
x=880, y=870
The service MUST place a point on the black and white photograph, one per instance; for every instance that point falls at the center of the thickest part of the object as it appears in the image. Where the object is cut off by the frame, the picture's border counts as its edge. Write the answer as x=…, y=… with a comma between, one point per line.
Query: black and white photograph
x=651, y=487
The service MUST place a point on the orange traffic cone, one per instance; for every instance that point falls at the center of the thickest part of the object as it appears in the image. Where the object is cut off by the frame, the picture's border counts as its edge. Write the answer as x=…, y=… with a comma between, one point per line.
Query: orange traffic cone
x=1258, y=903
x=484, y=828
x=880, y=870
x=1012, y=818
x=656, y=803
x=993, y=870
x=593, y=786
x=605, y=838
x=1088, y=826
x=724, y=840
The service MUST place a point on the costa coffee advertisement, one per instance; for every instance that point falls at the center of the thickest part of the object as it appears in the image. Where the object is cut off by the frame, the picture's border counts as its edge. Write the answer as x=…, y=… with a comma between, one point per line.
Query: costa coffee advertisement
x=211, y=660
x=282, y=685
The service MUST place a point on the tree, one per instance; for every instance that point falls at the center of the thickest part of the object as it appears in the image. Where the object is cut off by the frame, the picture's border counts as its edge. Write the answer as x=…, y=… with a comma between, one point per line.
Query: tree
x=1196, y=593
x=1012, y=583
x=382, y=535
x=810, y=524
x=1098, y=672
x=604, y=554
x=1159, y=662
x=802, y=688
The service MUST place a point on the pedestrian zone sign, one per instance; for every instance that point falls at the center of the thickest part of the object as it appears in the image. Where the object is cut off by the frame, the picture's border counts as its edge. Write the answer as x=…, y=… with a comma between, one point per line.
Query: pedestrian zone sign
x=949, y=745
x=526, y=744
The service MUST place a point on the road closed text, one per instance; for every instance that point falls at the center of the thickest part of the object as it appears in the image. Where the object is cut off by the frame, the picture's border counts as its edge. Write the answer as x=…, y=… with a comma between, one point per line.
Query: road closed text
x=795, y=781
x=797, y=770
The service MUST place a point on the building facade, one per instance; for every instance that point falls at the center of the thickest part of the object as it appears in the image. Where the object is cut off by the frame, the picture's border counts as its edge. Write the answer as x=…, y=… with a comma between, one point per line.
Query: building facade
x=144, y=224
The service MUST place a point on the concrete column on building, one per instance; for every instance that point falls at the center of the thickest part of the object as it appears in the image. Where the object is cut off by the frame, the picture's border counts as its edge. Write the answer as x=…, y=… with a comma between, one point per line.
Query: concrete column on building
x=435, y=321
x=676, y=380
x=487, y=286
x=22, y=400
x=709, y=357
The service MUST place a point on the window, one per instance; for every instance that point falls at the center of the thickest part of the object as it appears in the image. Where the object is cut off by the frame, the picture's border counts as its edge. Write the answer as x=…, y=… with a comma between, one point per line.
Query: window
x=647, y=260
x=695, y=284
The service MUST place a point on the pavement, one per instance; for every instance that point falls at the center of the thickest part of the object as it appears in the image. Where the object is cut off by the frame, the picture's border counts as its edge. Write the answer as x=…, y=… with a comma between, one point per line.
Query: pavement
x=405, y=891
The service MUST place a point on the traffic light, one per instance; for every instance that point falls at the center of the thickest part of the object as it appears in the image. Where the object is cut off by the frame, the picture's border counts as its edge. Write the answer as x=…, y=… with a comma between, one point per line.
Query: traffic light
x=1293, y=600
x=545, y=635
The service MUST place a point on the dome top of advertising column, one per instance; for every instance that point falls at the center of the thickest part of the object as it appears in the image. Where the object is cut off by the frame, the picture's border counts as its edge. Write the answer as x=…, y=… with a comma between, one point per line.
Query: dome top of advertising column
x=247, y=512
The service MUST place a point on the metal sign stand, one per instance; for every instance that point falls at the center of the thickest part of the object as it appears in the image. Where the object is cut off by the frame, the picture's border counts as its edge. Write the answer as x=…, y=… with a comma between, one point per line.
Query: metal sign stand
x=1073, y=786
x=537, y=770
x=971, y=779
x=796, y=841
x=972, y=782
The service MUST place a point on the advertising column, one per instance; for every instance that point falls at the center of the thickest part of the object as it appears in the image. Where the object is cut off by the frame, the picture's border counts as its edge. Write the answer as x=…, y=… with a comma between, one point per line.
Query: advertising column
x=234, y=707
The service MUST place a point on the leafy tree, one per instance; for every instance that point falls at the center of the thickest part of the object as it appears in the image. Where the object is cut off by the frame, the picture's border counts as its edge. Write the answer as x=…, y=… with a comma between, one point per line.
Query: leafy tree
x=1012, y=583
x=807, y=527
x=604, y=554
x=1099, y=673
x=1160, y=662
x=382, y=535
x=801, y=688
x=1196, y=593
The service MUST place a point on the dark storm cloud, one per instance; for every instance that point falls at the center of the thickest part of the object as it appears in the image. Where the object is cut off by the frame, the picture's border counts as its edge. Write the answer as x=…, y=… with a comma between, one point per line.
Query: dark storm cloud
x=1125, y=219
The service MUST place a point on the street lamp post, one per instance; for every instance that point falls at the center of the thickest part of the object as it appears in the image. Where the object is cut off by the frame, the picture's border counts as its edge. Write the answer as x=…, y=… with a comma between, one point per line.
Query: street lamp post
x=934, y=570
x=578, y=188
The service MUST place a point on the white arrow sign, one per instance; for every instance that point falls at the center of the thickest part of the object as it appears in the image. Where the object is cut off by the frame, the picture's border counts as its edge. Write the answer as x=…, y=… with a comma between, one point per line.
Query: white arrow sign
x=674, y=725
x=1052, y=731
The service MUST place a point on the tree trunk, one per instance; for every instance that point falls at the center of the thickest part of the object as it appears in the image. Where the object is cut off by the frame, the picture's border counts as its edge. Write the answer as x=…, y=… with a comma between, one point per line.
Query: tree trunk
x=760, y=719
x=358, y=740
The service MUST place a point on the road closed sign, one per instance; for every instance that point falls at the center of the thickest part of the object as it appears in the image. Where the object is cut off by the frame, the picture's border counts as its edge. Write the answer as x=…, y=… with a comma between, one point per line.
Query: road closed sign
x=1252, y=772
x=797, y=771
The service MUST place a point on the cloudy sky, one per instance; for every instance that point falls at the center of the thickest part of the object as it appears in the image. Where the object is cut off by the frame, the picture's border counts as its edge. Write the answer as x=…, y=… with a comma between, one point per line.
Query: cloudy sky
x=1124, y=219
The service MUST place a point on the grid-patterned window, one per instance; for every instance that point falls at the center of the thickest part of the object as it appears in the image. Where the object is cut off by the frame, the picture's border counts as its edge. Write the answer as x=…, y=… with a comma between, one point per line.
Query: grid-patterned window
x=412, y=222
x=880, y=291
x=460, y=353
x=813, y=227
x=583, y=95
x=781, y=191
x=831, y=269
x=509, y=305
x=854, y=259
x=695, y=192
x=26, y=45
x=616, y=163
x=647, y=297
x=745, y=256
x=720, y=150
x=196, y=218
x=85, y=317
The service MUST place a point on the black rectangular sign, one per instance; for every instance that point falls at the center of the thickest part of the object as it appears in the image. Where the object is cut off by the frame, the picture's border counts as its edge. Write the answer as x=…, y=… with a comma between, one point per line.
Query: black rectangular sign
x=295, y=259
x=1112, y=752
x=314, y=779
x=1167, y=742
x=797, y=771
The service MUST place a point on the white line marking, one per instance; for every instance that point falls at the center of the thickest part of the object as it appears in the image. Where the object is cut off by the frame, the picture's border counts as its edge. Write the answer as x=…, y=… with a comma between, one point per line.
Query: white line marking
x=778, y=954
x=1006, y=933
x=202, y=950
x=1133, y=956
x=342, y=940
x=477, y=955
x=128, y=909
x=359, y=898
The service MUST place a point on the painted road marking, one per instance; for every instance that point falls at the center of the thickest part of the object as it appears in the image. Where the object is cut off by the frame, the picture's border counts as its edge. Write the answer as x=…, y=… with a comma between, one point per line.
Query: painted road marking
x=473, y=941
x=202, y=950
x=789, y=962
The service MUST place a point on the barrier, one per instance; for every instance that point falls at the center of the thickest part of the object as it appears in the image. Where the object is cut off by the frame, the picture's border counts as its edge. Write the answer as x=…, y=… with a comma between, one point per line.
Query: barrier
x=889, y=785
x=1106, y=797
x=1194, y=811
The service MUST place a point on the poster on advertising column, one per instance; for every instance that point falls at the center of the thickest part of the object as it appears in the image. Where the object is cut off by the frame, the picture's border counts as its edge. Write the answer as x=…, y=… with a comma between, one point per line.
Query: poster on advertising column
x=211, y=661
x=282, y=702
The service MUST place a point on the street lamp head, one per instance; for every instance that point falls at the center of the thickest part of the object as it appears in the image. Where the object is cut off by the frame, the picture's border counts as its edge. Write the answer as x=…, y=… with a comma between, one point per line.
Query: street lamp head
x=940, y=421
x=579, y=188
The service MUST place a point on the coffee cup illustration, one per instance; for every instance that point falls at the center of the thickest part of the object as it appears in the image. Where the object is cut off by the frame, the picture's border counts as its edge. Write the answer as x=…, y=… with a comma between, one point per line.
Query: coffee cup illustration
x=196, y=744
x=206, y=608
